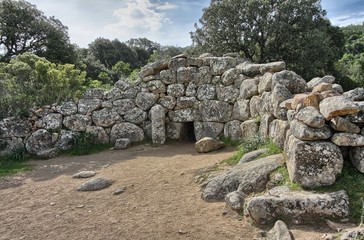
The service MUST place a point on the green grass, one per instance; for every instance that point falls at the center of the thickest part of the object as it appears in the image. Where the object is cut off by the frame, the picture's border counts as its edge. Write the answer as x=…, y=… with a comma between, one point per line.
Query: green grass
x=14, y=162
x=252, y=144
x=352, y=181
x=286, y=181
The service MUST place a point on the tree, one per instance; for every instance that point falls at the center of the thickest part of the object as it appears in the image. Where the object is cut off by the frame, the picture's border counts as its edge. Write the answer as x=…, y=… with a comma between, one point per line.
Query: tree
x=295, y=31
x=24, y=28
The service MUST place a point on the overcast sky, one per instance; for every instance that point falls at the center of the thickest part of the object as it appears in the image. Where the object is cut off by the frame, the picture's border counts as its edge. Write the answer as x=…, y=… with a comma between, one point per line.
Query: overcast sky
x=167, y=22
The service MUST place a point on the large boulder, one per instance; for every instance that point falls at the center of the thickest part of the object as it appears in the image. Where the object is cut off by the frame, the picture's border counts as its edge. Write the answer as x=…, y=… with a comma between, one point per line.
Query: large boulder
x=14, y=127
x=168, y=76
x=232, y=130
x=186, y=74
x=146, y=100
x=241, y=110
x=66, y=139
x=306, y=133
x=123, y=106
x=279, y=94
x=343, y=125
x=208, y=129
x=265, y=83
x=359, y=116
x=303, y=207
x=203, y=76
x=11, y=145
x=88, y=105
x=277, y=132
x=38, y=141
x=167, y=102
x=249, y=129
x=313, y=163
x=135, y=115
x=158, y=125
x=52, y=121
x=208, y=144
x=184, y=115
x=215, y=111
x=337, y=106
x=292, y=81
x=229, y=77
x=126, y=130
x=156, y=87
x=247, y=178
x=105, y=117
x=123, y=85
x=176, y=90
x=253, y=69
x=317, y=81
x=249, y=88
x=185, y=102
x=67, y=108
x=77, y=122
x=221, y=64
x=206, y=92
x=348, y=139
x=356, y=94
x=357, y=158
x=311, y=117
x=265, y=122
x=99, y=134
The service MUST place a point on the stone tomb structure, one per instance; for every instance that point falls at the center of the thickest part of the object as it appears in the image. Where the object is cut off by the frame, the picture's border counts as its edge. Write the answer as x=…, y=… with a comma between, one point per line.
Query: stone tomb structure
x=316, y=123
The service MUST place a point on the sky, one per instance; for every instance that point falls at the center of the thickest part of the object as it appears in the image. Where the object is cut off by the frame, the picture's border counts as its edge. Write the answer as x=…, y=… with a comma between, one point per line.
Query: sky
x=167, y=22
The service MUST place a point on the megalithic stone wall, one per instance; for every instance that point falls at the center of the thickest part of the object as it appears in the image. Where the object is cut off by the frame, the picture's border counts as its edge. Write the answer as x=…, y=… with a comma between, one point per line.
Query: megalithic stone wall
x=220, y=96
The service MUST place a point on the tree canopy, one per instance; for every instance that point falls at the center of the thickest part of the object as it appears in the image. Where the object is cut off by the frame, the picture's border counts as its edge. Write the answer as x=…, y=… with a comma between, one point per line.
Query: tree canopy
x=295, y=31
x=24, y=28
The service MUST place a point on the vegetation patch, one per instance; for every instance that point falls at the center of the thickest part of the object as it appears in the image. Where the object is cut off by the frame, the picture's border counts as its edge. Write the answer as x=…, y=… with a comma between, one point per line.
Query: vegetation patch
x=14, y=162
x=86, y=144
x=249, y=145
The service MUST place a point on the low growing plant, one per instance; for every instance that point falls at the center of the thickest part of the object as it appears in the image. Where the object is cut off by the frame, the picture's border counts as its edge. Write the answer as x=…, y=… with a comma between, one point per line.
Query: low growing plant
x=13, y=162
x=86, y=144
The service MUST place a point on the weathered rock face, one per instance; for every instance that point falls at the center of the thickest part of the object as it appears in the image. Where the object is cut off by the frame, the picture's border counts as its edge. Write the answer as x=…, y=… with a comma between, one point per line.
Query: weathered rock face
x=232, y=130
x=252, y=69
x=317, y=81
x=306, y=133
x=52, y=122
x=348, y=139
x=343, y=125
x=207, y=129
x=123, y=106
x=122, y=143
x=88, y=105
x=99, y=134
x=241, y=110
x=184, y=115
x=247, y=178
x=158, y=125
x=208, y=144
x=337, y=106
x=279, y=232
x=95, y=184
x=248, y=157
x=293, y=82
x=135, y=115
x=249, y=129
x=206, y=92
x=311, y=117
x=77, y=122
x=105, y=117
x=66, y=139
x=126, y=130
x=39, y=141
x=313, y=164
x=14, y=127
x=220, y=65
x=215, y=111
x=357, y=158
x=355, y=94
x=358, y=117
x=304, y=207
x=249, y=88
x=277, y=131
x=235, y=200
x=146, y=100
x=68, y=108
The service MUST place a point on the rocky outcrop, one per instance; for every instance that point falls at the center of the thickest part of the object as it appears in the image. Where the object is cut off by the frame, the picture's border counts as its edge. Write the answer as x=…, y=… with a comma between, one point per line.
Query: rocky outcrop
x=303, y=207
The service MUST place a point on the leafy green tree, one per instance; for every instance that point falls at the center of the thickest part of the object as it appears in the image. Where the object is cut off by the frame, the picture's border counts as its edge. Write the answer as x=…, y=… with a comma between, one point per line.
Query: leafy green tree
x=121, y=69
x=165, y=53
x=24, y=28
x=29, y=81
x=268, y=30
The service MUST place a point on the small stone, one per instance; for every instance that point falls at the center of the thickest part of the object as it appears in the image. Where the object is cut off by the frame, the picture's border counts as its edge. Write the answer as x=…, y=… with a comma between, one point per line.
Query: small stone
x=80, y=206
x=208, y=144
x=182, y=232
x=119, y=191
x=95, y=184
x=52, y=203
x=84, y=174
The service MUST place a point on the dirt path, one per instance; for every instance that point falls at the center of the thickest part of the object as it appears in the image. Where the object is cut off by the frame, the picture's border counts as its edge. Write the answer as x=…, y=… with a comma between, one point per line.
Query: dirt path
x=161, y=201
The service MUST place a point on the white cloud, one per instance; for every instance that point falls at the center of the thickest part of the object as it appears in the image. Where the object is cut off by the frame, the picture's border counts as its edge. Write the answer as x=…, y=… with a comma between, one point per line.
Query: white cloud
x=166, y=6
x=344, y=20
x=140, y=17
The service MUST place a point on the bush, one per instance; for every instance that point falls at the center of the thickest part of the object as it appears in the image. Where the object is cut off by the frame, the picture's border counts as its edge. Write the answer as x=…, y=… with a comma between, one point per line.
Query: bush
x=30, y=81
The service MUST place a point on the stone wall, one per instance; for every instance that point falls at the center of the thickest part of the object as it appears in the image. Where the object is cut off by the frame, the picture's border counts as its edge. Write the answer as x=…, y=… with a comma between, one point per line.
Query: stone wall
x=219, y=96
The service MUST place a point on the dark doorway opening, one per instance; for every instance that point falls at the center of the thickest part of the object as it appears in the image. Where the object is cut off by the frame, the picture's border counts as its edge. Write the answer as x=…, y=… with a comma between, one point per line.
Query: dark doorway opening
x=188, y=132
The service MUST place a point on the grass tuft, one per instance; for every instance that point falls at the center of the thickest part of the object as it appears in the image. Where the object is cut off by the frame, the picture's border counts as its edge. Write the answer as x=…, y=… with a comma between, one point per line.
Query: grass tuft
x=252, y=144
x=13, y=162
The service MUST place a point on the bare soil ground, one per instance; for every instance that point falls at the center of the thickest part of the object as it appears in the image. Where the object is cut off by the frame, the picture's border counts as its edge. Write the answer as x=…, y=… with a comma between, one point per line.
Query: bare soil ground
x=161, y=201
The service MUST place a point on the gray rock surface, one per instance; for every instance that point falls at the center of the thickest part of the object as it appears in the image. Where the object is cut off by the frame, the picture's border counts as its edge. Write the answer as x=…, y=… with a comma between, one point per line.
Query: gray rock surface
x=265, y=83
x=146, y=100
x=168, y=102
x=206, y=92
x=306, y=133
x=248, y=157
x=95, y=184
x=348, y=139
x=356, y=155
x=279, y=232
x=317, y=81
x=356, y=94
x=184, y=115
x=229, y=76
x=337, y=106
x=304, y=207
x=215, y=111
x=241, y=110
x=313, y=163
x=247, y=177
x=122, y=143
x=135, y=115
x=66, y=139
x=220, y=65
x=293, y=82
x=343, y=125
x=126, y=130
x=99, y=133
x=123, y=106
x=311, y=117
x=38, y=141
x=88, y=105
x=235, y=200
x=277, y=132
x=208, y=144
x=359, y=116
x=249, y=129
x=207, y=129
x=227, y=94
x=232, y=130
x=77, y=122
x=106, y=117
x=67, y=108
x=249, y=88
x=251, y=69
x=158, y=125
x=14, y=127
